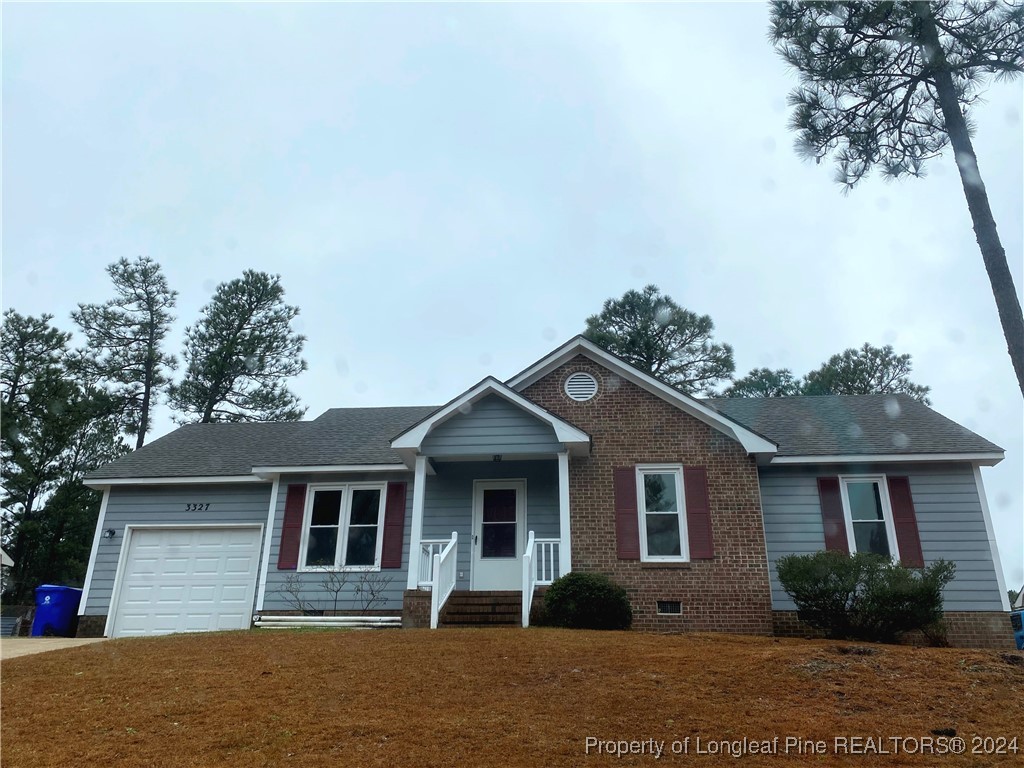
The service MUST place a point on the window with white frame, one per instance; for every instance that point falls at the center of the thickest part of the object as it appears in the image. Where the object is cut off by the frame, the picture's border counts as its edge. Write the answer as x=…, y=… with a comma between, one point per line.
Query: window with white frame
x=343, y=527
x=869, y=522
x=662, y=513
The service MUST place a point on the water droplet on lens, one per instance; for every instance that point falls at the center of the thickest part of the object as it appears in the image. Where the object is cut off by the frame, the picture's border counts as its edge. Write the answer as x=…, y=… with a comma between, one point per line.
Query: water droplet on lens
x=892, y=408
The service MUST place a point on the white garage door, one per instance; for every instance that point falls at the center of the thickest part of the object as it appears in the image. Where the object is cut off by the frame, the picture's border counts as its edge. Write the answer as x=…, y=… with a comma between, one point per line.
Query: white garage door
x=187, y=580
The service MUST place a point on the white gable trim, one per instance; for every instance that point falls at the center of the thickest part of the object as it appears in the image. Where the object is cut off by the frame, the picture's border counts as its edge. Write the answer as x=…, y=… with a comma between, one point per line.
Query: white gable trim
x=411, y=440
x=752, y=442
x=1004, y=595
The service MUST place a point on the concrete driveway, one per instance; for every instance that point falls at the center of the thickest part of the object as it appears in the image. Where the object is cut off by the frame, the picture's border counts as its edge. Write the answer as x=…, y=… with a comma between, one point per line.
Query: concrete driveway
x=11, y=647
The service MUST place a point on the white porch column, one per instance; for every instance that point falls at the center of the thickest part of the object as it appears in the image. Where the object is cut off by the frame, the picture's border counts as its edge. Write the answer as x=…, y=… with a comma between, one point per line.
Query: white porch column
x=565, y=540
x=419, y=490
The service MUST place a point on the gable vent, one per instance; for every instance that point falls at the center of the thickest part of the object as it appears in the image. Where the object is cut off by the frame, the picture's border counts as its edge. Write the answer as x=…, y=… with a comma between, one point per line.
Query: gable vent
x=581, y=386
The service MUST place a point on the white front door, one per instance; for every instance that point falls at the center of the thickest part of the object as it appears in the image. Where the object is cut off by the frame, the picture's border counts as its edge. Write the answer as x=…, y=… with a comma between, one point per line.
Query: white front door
x=186, y=580
x=499, y=535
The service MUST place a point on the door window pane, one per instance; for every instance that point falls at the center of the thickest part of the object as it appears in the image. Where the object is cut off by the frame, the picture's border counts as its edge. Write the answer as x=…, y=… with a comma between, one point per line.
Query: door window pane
x=660, y=493
x=663, y=536
x=499, y=505
x=499, y=540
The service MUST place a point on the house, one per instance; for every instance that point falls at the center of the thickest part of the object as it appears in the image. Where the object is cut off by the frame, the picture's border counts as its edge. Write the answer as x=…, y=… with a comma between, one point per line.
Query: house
x=426, y=515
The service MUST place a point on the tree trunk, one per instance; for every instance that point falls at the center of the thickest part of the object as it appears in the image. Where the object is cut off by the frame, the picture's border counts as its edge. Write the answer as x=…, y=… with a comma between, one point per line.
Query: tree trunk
x=992, y=251
x=147, y=391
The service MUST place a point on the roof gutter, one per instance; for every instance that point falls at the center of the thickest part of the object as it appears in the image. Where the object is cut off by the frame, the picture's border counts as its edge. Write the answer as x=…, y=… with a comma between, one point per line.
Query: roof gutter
x=101, y=483
x=987, y=459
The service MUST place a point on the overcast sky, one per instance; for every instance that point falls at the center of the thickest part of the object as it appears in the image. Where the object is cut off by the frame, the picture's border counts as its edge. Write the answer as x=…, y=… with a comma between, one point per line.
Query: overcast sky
x=448, y=191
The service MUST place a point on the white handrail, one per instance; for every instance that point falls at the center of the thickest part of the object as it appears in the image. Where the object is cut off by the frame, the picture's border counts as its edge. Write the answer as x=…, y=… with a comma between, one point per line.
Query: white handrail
x=529, y=577
x=428, y=548
x=442, y=582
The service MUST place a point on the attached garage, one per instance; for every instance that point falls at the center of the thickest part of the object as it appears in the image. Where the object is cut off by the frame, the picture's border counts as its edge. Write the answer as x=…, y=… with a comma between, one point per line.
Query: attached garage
x=185, y=579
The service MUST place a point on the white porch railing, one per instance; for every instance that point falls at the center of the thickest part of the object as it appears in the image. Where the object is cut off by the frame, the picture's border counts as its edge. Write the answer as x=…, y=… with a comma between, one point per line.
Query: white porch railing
x=529, y=576
x=442, y=582
x=547, y=560
x=429, y=548
x=539, y=567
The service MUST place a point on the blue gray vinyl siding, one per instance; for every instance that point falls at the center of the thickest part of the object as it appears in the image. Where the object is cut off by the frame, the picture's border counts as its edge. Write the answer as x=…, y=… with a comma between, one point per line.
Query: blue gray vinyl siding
x=166, y=505
x=310, y=583
x=490, y=426
x=949, y=520
x=448, y=503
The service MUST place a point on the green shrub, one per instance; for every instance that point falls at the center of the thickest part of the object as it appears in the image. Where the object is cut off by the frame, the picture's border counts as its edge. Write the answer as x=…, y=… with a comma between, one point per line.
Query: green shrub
x=863, y=596
x=587, y=601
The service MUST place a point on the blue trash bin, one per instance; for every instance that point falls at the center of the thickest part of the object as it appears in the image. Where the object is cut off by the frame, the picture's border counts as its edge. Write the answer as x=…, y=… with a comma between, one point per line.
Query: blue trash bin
x=1017, y=622
x=56, y=608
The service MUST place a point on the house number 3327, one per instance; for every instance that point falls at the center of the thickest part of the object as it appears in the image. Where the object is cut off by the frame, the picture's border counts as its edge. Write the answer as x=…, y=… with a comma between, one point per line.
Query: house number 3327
x=196, y=507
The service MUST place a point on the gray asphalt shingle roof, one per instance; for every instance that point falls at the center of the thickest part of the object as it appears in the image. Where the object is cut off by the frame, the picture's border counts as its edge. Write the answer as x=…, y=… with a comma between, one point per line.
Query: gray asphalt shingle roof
x=339, y=436
x=802, y=426
x=852, y=425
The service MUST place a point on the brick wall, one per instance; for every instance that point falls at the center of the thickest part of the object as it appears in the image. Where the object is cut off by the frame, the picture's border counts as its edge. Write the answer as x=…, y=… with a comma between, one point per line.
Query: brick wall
x=979, y=629
x=630, y=426
x=415, y=609
x=91, y=626
x=964, y=629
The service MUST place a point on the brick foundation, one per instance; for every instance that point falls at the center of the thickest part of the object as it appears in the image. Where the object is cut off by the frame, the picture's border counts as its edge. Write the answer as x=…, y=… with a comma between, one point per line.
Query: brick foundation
x=965, y=629
x=630, y=426
x=415, y=609
x=979, y=629
x=91, y=626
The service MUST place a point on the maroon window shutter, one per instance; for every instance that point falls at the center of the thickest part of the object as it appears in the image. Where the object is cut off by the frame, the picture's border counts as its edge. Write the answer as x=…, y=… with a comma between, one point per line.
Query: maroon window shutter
x=394, y=526
x=832, y=514
x=905, y=521
x=627, y=524
x=698, y=513
x=291, y=528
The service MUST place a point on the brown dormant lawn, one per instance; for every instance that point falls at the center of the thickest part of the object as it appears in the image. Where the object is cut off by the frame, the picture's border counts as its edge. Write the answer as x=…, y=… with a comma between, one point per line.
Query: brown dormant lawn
x=502, y=697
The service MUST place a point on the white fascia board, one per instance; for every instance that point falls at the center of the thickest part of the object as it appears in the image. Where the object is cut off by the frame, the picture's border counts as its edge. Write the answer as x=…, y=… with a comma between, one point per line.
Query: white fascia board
x=413, y=438
x=985, y=459
x=106, y=482
x=752, y=442
x=991, y=533
x=90, y=569
x=329, y=468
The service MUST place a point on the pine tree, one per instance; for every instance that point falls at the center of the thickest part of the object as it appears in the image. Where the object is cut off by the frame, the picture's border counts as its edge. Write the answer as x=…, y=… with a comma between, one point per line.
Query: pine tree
x=56, y=426
x=240, y=354
x=764, y=382
x=890, y=85
x=125, y=338
x=865, y=371
x=658, y=336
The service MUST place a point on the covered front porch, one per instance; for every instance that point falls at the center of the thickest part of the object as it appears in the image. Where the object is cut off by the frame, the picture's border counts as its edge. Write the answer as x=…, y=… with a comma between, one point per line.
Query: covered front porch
x=495, y=527
x=490, y=507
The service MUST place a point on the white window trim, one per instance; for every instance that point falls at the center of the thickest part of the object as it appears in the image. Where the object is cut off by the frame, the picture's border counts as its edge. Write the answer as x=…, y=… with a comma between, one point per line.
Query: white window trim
x=883, y=494
x=345, y=516
x=684, y=538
